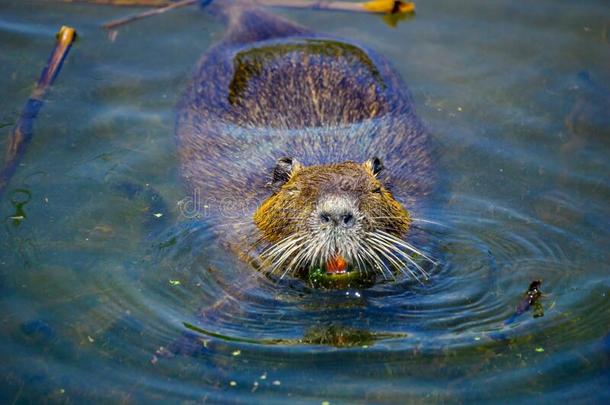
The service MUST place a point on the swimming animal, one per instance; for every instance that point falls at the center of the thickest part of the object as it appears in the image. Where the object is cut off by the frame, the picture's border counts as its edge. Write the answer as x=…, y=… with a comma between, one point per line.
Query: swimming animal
x=304, y=151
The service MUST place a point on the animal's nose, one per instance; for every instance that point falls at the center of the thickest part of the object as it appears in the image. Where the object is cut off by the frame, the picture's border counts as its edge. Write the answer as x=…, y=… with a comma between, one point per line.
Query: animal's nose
x=343, y=219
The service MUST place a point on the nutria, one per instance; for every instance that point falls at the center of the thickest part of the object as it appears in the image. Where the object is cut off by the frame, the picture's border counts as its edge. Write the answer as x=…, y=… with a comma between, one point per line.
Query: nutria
x=304, y=150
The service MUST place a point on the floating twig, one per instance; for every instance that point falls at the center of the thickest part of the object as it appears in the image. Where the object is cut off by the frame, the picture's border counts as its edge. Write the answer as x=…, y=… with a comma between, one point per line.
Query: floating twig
x=149, y=13
x=124, y=3
x=375, y=6
x=530, y=300
x=22, y=132
x=388, y=7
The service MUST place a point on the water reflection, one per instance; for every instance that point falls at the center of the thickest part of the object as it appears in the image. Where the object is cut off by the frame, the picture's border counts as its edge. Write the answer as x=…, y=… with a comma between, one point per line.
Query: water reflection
x=93, y=284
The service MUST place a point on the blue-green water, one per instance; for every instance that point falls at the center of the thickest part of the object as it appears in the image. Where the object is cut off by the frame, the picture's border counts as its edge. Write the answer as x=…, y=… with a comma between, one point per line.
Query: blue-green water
x=93, y=284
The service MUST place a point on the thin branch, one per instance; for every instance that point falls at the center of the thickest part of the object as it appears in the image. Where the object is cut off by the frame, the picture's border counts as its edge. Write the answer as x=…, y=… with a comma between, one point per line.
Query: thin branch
x=125, y=20
x=375, y=6
x=125, y=3
x=389, y=7
x=22, y=132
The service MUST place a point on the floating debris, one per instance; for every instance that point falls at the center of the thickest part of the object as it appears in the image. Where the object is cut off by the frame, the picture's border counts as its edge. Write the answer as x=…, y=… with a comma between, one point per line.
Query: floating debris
x=22, y=132
x=532, y=295
x=530, y=300
x=103, y=229
x=321, y=278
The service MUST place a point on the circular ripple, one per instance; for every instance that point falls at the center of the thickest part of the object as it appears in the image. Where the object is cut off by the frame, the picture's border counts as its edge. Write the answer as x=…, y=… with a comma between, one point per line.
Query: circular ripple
x=484, y=267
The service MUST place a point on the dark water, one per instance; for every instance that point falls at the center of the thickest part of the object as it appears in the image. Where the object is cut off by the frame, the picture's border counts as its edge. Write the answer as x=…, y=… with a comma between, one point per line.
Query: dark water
x=93, y=284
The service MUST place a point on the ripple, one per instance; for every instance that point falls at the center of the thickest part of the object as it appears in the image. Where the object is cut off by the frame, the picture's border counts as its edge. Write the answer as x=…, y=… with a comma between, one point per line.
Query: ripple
x=26, y=29
x=484, y=269
x=87, y=297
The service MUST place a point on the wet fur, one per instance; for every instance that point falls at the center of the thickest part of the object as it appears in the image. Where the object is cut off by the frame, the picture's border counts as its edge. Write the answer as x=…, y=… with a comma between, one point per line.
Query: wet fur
x=272, y=88
x=289, y=210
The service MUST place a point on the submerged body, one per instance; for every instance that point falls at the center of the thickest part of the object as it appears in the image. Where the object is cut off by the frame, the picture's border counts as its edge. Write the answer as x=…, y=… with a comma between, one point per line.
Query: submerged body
x=283, y=135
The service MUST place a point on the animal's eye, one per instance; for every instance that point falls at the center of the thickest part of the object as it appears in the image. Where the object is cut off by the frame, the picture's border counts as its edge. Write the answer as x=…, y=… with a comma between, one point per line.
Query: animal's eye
x=377, y=190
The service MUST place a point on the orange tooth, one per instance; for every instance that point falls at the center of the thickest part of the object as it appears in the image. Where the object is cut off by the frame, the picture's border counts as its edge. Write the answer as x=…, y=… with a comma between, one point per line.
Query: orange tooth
x=336, y=264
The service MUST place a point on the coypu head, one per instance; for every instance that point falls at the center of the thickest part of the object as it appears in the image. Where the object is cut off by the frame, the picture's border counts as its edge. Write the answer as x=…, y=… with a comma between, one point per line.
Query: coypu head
x=338, y=218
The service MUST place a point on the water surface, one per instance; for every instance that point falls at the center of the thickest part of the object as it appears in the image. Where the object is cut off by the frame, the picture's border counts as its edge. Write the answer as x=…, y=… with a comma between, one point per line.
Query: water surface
x=102, y=300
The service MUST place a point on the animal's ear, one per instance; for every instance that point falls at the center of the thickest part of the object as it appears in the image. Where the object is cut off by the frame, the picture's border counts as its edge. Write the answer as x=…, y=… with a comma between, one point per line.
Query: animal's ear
x=374, y=165
x=284, y=168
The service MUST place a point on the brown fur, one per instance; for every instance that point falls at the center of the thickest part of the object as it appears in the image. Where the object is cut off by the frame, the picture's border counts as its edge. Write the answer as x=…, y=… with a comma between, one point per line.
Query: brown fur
x=272, y=88
x=288, y=211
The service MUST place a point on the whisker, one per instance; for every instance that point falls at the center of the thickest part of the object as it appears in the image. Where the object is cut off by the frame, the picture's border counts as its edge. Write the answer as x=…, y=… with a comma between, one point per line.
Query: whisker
x=377, y=260
x=388, y=217
x=398, y=263
x=285, y=255
x=404, y=244
x=406, y=256
x=293, y=264
x=426, y=221
x=412, y=219
x=298, y=263
x=280, y=252
x=393, y=250
x=313, y=256
x=359, y=264
x=282, y=244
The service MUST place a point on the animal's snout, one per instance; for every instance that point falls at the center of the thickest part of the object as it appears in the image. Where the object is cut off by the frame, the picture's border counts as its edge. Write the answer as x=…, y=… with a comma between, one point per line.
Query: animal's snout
x=337, y=211
x=345, y=219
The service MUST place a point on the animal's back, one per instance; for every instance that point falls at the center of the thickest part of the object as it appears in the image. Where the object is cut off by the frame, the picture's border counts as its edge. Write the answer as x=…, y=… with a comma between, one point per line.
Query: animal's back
x=271, y=89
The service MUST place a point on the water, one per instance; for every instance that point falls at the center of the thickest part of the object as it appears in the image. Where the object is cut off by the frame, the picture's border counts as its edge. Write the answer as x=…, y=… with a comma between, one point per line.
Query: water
x=96, y=290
